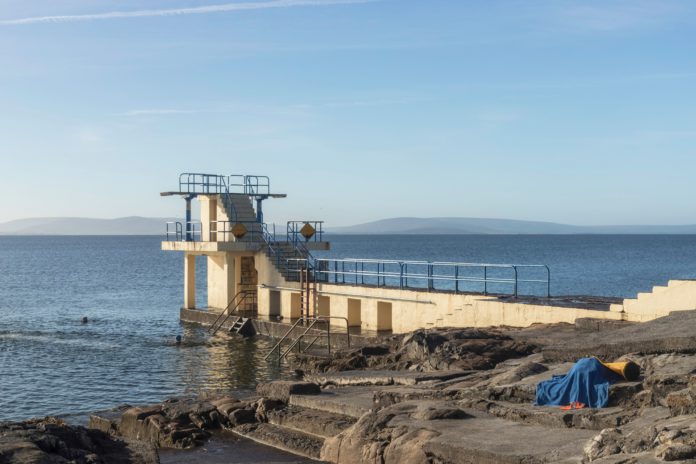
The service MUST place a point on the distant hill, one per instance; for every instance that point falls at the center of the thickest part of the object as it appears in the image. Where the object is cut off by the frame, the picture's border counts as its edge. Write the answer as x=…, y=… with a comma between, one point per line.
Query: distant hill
x=463, y=226
x=133, y=225
x=136, y=225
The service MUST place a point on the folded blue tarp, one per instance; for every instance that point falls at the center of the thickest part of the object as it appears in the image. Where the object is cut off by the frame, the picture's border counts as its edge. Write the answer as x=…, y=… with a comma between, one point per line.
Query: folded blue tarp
x=587, y=382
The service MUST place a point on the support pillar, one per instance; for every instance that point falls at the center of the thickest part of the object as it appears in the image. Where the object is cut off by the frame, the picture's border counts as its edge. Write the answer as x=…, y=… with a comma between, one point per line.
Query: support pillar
x=221, y=279
x=189, y=281
x=187, y=224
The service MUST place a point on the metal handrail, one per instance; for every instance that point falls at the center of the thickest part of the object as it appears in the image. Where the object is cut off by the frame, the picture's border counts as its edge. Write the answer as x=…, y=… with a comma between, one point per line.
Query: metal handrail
x=245, y=294
x=293, y=231
x=277, y=345
x=380, y=270
x=328, y=332
x=297, y=340
x=254, y=231
x=192, y=229
x=257, y=185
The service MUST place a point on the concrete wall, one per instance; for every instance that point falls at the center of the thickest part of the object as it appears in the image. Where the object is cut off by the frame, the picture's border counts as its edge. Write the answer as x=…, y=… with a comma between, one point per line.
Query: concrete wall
x=678, y=295
x=376, y=309
x=221, y=280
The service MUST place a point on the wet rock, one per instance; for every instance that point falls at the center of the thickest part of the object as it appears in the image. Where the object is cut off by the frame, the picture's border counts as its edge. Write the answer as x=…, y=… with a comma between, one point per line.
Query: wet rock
x=242, y=416
x=282, y=389
x=432, y=413
x=49, y=441
x=264, y=406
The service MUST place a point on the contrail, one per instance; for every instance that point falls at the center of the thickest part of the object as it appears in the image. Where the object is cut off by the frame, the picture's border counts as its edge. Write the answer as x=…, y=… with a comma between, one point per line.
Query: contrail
x=222, y=8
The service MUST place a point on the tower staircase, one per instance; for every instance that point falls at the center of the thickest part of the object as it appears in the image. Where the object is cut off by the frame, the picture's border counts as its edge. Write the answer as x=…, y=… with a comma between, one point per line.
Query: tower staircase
x=288, y=256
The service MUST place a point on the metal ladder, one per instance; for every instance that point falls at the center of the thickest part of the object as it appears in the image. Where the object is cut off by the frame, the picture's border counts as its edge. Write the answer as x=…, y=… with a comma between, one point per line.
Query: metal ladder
x=241, y=297
x=312, y=321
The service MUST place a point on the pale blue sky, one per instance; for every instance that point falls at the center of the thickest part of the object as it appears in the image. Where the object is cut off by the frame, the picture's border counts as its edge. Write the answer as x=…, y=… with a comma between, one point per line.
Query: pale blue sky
x=572, y=111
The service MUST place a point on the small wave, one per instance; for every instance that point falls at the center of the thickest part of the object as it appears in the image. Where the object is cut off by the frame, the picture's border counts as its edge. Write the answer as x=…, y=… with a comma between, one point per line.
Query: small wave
x=56, y=338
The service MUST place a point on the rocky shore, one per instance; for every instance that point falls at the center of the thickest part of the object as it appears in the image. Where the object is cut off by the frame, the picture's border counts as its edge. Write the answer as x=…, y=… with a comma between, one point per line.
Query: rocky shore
x=432, y=396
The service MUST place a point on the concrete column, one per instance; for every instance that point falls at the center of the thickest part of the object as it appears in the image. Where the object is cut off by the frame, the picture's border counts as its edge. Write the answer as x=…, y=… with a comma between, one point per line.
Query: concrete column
x=221, y=280
x=189, y=281
x=208, y=215
x=376, y=315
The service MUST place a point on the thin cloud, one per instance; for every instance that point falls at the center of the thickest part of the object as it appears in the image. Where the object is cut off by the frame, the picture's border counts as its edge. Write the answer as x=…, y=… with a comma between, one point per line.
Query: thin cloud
x=158, y=112
x=208, y=9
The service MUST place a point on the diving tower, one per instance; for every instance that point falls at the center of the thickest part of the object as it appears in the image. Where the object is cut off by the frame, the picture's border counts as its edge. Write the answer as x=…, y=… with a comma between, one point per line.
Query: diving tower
x=256, y=273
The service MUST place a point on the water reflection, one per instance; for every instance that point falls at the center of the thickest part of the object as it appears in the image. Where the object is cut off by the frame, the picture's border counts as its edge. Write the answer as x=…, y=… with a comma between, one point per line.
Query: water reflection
x=224, y=362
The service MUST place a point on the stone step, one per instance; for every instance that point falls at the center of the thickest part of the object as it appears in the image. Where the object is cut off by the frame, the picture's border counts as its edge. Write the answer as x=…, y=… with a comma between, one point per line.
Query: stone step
x=552, y=416
x=283, y=438
x=349, y=401
x=321, y=424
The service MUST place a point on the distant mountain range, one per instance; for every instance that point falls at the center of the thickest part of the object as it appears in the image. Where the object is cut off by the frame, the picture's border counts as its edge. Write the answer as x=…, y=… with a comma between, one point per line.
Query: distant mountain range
x=463, y=226
x=132, y=225
x=135, y=225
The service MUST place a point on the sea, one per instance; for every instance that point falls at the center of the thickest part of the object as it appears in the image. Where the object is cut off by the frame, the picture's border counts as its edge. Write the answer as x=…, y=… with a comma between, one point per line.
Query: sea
x=51, y=363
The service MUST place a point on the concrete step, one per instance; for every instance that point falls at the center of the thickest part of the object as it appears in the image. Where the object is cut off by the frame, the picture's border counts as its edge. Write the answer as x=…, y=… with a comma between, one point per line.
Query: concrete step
x=321, y=424
x=349, y=401
x=551, y=416
x=617, y=308
x=659, y=289
x=283, y=438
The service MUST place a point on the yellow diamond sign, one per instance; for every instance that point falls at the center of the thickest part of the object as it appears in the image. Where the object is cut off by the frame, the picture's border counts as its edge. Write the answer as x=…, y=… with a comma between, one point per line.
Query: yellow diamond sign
x=307, y=231
x=239, y=230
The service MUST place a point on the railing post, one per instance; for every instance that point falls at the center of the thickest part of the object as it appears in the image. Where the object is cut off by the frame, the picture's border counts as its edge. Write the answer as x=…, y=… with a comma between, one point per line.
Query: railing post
x=515, y=268
x=548, y=282
x=456, y=279
x=485, y=280
x=430, y=276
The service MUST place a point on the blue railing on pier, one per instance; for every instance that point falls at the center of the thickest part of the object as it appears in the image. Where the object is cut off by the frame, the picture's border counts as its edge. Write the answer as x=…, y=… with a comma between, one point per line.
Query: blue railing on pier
x=508, y=279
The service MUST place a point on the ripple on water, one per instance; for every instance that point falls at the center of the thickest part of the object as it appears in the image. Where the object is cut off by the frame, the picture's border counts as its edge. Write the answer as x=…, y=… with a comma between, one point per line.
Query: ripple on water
x=51, y=363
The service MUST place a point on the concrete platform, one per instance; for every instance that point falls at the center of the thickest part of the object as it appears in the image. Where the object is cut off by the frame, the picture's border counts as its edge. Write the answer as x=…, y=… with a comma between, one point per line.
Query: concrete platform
x=348, y=401
x=276, y=329
x=383, y=377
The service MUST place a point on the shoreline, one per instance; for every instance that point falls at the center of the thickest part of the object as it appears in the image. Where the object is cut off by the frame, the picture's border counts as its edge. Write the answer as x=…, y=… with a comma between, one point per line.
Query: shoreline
x=452, y=395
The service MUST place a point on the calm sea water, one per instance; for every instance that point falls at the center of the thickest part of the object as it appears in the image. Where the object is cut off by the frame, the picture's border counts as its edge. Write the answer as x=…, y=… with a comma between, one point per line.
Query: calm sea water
x=50, y=363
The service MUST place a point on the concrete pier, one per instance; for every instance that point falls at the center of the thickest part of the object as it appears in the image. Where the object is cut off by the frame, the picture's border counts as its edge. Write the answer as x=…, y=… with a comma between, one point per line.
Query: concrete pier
x=253, y=269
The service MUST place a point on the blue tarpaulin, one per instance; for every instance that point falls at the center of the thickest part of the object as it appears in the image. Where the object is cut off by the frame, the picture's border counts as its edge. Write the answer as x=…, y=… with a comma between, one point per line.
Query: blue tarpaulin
x=587, y=382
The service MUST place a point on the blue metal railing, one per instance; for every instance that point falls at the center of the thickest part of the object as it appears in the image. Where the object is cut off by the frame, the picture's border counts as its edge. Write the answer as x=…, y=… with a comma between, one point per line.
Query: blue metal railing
x=252, y=185
x=178, y=231
x=294, y=231
x=512, y=279
x=221, y=231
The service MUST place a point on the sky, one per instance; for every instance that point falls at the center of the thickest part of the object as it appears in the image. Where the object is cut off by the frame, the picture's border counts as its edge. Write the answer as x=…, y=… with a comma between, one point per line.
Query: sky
x=573, y=111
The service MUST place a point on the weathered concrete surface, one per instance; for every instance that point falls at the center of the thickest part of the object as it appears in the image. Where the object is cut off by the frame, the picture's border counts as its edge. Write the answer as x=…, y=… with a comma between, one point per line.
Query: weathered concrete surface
x=315, y=422
x=282, y=389
x=406, y=404
x=372, y=377
x=50, y=441
x=401, y=433
x=670, y=334
x=347, y=401
x=225, y=447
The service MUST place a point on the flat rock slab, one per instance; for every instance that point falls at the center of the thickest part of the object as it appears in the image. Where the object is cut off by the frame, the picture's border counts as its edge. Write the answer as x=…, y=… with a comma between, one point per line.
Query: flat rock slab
x=384, y=377
x=669, y=334
x=226, y=448
x=484, y=439
x=282, y=389
x=348, y=401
